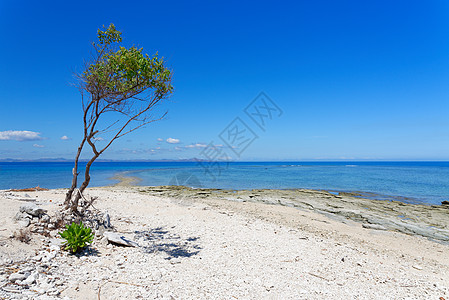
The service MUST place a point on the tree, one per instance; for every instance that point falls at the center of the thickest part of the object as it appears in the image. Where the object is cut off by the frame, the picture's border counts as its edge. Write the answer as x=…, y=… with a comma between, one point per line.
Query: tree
x=120, y=88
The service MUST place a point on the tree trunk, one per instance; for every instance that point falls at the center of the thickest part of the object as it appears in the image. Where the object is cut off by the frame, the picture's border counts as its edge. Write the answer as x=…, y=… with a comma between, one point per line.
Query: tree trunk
x=74, y=204
x=68, y=195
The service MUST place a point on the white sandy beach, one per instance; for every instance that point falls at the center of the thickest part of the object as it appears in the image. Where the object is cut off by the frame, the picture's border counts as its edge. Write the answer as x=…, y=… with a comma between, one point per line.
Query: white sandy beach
x=192, y=248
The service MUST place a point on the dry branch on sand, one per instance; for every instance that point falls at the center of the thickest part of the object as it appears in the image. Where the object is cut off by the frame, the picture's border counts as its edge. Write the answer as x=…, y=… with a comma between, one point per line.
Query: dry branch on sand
x=35, y=189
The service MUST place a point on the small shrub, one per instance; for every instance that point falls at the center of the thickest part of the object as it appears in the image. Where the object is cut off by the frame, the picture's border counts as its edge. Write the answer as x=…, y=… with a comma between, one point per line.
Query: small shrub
x=23, y=235
x=58, y=223
x=76, y=237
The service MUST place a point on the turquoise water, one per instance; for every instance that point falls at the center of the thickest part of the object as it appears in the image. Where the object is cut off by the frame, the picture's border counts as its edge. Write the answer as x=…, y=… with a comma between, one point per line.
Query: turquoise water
x=426, y=182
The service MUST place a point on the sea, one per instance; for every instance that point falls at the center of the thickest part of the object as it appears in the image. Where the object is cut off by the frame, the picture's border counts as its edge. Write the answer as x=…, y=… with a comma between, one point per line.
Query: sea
x=410, y=182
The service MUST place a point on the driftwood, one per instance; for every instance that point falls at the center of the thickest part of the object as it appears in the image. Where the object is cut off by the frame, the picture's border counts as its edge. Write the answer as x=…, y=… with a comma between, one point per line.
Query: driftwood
x=88, y=203
x=35, y=189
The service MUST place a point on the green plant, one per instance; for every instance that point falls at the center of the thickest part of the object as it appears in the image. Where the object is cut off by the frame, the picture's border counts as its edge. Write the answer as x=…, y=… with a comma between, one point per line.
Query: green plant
x=76, y=237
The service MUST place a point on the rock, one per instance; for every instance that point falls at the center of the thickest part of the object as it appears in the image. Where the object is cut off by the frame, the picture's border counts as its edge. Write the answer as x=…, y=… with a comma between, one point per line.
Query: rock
x=44, y=285
x=119, y=239
x=30, y=280
x=32, y=209
x=51, y=226
x=54, y=248
x=59, y=282
x=27, y=269
x=48, y=257
x=56, y=242
x=16, y=277
x=104, y=241
x=417, y=267
x=53, y=292
x=444, y=202
x=6, y=261
x=24, y=223
x=107, y=220
x=11, y=288
x=373, y=226
x=37, y=258
x=21, y=216
x=45, y=218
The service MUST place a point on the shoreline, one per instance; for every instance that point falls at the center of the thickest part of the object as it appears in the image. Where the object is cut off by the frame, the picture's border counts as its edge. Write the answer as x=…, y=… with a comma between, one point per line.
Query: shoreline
x=429, y=221
x=130, y=181
x=422, y=219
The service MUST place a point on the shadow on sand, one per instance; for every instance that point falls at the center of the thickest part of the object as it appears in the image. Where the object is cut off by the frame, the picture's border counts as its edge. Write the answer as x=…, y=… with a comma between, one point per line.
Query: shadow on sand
x=162, y=240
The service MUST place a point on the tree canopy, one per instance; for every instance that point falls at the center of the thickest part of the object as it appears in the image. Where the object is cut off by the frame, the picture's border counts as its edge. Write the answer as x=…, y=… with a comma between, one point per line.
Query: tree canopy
x=121, y=80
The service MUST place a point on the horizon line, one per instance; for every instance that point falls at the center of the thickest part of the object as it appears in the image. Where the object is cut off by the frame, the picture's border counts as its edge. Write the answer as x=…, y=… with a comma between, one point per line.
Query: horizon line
x=224, y=161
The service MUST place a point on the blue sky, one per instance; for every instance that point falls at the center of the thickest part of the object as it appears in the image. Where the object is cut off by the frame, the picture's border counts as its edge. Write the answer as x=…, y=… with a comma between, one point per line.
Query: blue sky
x=354, y=79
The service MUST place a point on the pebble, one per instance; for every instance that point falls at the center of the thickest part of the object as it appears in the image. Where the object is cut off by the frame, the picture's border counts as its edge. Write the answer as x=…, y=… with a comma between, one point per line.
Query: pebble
x=49, y=256
x=118, y=238
x=24, y=223
x=30, y=280
x=417, y=267
x=6, y=261
x=27, y=269
x=32, y=209
x=37, y=258
x=56, y=242
x=16, y=277
x=107, y=220
x=45, y=218
x=11, y=288
x=54, y=248
x=21, y=215
x=53, y=292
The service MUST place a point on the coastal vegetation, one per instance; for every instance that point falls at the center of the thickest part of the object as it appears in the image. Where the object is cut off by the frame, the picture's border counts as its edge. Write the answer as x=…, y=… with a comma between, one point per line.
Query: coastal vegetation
x=76, y=237
x=120, y=87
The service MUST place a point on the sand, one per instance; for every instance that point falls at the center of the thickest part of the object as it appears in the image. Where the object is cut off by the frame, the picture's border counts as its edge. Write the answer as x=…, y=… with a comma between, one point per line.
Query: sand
x=211, y=245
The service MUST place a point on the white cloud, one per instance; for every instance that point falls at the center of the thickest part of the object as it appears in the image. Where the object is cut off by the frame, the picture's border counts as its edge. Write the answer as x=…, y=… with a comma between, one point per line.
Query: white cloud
x=17, y=135
x=200, y=145
x=197, y=145
x=65, y=138
x=38, y=146
x=160, y=140
x=172, y=141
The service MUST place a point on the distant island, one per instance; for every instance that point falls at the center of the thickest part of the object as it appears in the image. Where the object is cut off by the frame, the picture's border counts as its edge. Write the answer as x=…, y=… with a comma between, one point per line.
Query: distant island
x=60, y=159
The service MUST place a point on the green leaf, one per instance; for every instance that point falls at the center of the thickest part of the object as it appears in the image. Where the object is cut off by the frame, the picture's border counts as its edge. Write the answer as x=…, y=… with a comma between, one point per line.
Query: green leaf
x=76, y=236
